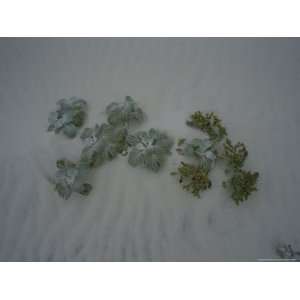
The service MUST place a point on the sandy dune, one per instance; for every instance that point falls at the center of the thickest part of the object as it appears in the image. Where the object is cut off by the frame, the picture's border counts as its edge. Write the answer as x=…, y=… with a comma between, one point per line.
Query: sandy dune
x=133, y=214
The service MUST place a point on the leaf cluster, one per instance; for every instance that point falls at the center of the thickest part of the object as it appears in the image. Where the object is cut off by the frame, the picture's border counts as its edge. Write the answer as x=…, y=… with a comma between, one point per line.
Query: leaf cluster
x=234, y=155
x=202, y=150
x=124, y=114
x=69, y=116
x=149, y=149
x=209, y=123
x=69, y=178
x=241, y=184
x=193, y=178
x=105, y=142
x=102, y=143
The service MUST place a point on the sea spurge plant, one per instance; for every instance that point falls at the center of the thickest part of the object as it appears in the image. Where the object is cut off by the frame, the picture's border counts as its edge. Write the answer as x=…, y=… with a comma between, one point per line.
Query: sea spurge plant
x=103, y=143
x=69, y=116
x=193, y=178
x=126, y=113
x=234, y=155
x=241, y=184
x=70, y=178
x=209, y=123
x=149, y=149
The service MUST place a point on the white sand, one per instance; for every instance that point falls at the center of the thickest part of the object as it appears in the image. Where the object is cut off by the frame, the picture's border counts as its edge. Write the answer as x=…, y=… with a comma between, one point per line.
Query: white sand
x=133, y=214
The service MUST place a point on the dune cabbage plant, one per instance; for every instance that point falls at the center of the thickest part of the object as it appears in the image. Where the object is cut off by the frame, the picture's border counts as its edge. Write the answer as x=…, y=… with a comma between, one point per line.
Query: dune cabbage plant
x=70, y=178
x=69, y=116
x=126, y=113
x=103, y=143
x=203, y=150
x=149, y=149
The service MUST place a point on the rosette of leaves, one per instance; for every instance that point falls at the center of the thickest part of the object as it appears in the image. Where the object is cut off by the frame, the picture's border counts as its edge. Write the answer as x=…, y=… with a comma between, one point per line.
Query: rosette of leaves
x=69, y=178
x=209, y=123
x=193, y=179
x=201, y=149
x=102, y=143
x=69, y=116
x=126, y=113
x=241, y=184
x=234, y=155
x=149, y=149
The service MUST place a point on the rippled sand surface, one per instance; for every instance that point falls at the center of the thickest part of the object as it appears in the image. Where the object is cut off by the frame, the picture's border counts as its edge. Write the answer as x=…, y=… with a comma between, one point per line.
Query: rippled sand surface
x=133, y=214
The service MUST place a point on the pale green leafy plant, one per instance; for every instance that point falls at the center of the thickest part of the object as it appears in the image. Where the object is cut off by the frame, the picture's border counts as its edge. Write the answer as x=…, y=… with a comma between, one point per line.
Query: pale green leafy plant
x=69, y=116
x=203, y=150
x=69, y=178
x=103, y=143
x=126, y=113
x=149, y=149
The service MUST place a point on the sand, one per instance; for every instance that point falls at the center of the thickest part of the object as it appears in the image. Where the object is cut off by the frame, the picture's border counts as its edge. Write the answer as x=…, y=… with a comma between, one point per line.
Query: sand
x=133, y=214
